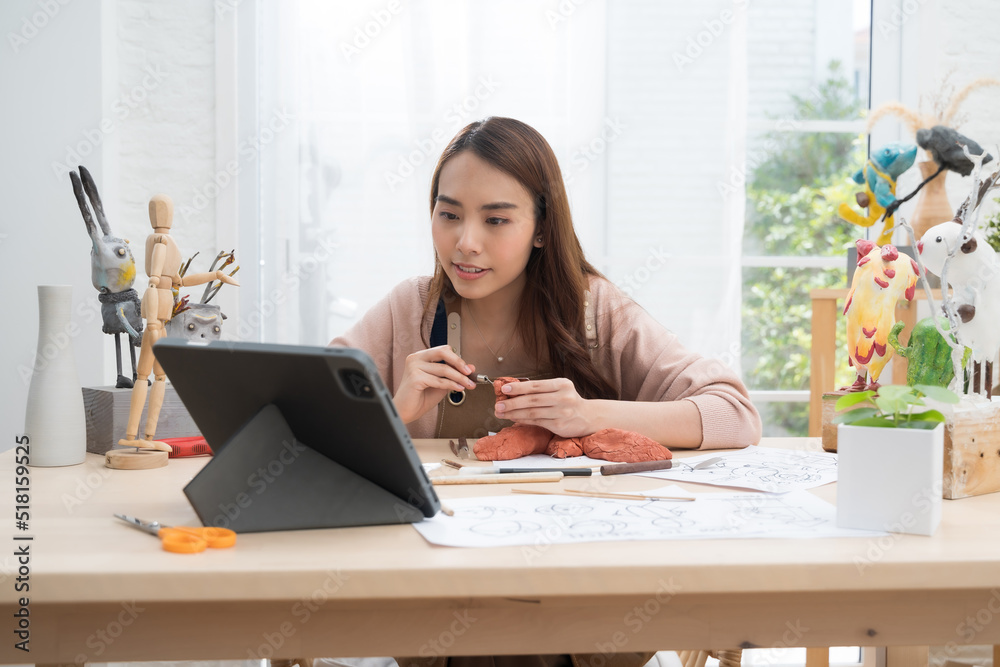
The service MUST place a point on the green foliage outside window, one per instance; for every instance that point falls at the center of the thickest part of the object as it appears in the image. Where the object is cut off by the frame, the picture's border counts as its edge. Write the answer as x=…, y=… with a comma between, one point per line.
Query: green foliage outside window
x=792, y=196
x=992, y=229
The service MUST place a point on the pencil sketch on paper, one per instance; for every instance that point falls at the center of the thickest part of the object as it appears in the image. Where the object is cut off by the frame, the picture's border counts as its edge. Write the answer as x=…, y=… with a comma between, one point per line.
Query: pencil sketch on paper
x=525, y=520
x=762, y=468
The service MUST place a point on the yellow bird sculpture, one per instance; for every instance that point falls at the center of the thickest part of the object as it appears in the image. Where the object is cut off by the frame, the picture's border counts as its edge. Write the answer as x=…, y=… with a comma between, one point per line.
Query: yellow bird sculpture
x=883, y=276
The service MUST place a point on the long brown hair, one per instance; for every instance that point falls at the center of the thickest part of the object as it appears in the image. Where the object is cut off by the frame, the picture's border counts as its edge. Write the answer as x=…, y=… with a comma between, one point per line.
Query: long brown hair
x=551, y=311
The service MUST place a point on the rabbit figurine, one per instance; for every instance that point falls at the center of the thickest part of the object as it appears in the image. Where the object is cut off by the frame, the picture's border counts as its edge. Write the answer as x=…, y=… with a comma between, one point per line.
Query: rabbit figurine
x=112, y=272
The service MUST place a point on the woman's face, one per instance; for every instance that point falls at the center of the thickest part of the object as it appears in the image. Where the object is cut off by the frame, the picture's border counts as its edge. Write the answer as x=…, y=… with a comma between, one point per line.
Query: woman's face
x=483, y=226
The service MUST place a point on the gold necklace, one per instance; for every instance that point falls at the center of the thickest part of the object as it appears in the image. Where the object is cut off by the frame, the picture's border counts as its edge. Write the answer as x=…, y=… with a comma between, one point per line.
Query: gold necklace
x=499, y=356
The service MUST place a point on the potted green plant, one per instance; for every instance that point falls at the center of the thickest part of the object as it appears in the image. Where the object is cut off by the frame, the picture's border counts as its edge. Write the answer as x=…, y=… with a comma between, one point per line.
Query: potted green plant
x=890, y=457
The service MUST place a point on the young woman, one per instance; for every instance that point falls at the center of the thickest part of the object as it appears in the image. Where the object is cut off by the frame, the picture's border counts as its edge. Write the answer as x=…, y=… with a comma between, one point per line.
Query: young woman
x=513, y=295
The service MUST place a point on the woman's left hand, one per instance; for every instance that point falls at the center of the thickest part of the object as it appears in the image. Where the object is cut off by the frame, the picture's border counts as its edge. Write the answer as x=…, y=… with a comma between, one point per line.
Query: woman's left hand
x=552, y=404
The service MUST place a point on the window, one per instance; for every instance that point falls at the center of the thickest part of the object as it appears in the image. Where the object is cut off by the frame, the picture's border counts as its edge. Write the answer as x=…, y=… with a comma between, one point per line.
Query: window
x=672, y=124
x=808, y=80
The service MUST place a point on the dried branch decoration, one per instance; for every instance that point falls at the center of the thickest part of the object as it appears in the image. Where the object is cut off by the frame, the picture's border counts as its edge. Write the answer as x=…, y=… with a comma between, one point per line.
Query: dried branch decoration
x=915, y=120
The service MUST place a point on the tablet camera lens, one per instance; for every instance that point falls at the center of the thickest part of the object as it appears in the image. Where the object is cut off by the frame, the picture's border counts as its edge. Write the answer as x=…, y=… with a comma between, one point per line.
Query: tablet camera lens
x=357, y=384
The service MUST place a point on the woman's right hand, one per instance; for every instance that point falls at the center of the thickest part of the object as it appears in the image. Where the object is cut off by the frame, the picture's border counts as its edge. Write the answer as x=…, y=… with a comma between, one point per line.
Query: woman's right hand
x=426, y=381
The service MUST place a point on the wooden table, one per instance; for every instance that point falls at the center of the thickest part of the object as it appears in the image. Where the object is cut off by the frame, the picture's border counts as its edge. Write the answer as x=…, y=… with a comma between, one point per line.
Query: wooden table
x=102, y=591
x=826, y=310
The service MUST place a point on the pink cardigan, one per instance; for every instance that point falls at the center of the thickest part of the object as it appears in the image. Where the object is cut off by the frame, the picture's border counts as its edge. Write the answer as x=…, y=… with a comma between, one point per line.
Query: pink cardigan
x=634, y=351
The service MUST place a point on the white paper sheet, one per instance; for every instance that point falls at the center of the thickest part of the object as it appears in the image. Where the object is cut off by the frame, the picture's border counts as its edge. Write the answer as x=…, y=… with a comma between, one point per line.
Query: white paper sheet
x=546, y=461
x=763, y=468
x=511, y=520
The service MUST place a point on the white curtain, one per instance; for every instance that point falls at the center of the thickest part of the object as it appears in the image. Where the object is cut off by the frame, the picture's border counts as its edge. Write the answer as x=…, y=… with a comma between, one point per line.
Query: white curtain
x=377, y=89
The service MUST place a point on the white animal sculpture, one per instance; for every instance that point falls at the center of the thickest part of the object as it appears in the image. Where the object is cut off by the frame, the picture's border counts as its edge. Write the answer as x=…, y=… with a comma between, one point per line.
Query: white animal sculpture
x=974, y=275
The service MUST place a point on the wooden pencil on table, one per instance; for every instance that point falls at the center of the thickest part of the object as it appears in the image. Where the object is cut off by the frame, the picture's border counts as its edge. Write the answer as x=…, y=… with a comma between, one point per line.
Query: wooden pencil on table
x=598, y=494
x=498, y=479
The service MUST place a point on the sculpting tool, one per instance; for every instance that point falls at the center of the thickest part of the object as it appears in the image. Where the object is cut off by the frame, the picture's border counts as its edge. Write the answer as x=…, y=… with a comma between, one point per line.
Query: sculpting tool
x=498, y=479
x=642, y=466
x=486, y=470
x=598, y=494
x=704, y=464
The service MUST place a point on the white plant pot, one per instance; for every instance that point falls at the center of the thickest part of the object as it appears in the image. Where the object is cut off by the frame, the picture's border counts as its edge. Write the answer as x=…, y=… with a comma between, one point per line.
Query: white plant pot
x=890, y=478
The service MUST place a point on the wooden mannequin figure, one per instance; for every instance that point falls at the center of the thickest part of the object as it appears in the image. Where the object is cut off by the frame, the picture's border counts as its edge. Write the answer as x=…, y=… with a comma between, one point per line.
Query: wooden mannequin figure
x=163, y=263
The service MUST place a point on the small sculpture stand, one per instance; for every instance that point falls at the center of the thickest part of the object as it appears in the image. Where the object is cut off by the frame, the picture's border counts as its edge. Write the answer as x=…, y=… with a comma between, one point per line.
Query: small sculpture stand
x=142, y=459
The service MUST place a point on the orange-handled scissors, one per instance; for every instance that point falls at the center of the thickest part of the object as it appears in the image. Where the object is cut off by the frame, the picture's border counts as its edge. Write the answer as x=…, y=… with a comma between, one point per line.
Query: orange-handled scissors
x=184, y=539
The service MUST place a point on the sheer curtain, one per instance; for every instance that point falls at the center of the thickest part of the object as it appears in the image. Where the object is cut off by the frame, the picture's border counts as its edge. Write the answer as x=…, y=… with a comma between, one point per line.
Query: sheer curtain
x=646, y=128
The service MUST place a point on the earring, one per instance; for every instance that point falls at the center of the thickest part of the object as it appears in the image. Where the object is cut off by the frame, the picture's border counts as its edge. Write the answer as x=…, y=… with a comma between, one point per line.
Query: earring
x=538, y=241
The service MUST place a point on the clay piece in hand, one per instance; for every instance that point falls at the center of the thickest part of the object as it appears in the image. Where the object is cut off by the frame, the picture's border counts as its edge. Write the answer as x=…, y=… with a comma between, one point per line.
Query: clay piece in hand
x=498, y=385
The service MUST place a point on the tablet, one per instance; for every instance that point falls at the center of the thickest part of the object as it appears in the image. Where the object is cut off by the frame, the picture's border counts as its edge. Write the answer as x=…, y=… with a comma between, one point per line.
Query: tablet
x=303, y=437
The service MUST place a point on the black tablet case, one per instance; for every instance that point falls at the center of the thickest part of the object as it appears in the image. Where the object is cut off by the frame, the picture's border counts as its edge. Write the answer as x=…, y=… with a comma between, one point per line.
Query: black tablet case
x=304, y=437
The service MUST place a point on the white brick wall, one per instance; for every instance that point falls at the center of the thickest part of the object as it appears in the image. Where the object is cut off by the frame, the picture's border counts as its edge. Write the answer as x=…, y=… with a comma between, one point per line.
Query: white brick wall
x=780, y=55
x=965, y=35
x=167, y=142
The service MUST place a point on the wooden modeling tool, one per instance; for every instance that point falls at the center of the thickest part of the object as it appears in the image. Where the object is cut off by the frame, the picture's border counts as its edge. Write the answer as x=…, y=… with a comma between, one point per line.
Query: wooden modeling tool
x=498, y=479
x=598, y=494
x=642, y=466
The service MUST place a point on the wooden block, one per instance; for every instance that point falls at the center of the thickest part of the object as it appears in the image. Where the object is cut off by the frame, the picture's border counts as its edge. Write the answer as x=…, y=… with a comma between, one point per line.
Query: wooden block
x=972, y=452
x=107, y=408
x=829, y=429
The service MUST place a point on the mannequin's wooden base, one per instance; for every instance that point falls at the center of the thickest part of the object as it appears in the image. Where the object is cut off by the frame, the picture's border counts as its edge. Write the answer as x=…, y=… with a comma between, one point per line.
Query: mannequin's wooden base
x=130, y=459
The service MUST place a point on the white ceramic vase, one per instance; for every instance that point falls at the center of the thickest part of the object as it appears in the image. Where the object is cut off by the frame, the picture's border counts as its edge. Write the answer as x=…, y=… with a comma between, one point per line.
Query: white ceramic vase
x=54, y=419
x=890, y=478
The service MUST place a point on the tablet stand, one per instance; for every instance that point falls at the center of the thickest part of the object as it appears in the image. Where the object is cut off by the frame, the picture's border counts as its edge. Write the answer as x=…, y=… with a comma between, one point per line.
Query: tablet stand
x=264, y=479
